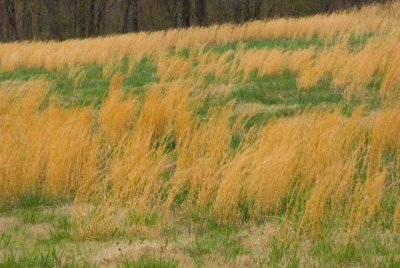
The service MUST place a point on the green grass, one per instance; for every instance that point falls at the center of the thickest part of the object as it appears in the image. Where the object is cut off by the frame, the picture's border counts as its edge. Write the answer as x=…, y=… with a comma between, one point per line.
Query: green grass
x=143, y=74
x=282, y=252
x=33, y=209
x=62, y=229
x=281, y=93
x=93, y=88
x=24, y=74
x=282, y=89
x=214, y=238
x=149, y=262
x=210, y=240
x=32, y=259
x=357, y=42
x=371, y=247
x=142, y=219
x=345, y=253
x=5, y=240
x=40, y=258
x=278, y=43
x=33, y=200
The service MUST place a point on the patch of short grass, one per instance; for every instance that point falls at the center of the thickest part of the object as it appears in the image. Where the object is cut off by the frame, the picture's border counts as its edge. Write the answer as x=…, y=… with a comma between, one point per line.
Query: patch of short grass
x=47, y=258
x=93, y=87
x=143, y=74
x=5, y=240
x=282, y=89
x=282, y=253
x=32, y=259
x=31, y=200
x=214, y=238
x=25, y=73
x=371, y=248
x=62, y=229
x=359, y=41
x=278, y=43
x=149, y=262
x=34, y=199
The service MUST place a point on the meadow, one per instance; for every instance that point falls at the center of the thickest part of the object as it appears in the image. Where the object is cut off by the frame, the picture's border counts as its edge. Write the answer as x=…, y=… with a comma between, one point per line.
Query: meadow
x=268, y=144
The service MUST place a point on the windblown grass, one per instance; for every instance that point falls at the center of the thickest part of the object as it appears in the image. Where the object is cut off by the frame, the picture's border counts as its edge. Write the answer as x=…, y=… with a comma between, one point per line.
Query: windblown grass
x=210, y=125
x=54, y=55
x=312, y=168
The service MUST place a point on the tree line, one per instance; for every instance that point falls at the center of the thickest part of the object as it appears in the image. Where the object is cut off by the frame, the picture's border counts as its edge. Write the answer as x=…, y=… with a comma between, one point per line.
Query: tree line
x=64, y=19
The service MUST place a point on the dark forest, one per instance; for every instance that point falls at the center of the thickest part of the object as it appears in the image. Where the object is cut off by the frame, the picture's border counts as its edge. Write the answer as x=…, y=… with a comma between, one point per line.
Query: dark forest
x=66, y=19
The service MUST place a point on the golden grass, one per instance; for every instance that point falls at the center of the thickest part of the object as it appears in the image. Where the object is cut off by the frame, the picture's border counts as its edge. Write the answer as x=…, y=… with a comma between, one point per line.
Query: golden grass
x=55, y=55
x=318, y=166
x=355, y=70
x=159, y=156
x=349, y=68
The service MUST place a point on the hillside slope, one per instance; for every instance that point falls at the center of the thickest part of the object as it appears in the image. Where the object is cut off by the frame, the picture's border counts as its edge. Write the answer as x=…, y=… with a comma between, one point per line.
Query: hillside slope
x=273, y=143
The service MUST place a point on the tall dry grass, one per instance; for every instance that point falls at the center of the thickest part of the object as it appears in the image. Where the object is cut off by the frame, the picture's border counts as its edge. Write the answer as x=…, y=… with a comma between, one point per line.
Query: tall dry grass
x=348, y=68
x=354, y=70
x=157, y=155
x=380, y=19
x=314, y=168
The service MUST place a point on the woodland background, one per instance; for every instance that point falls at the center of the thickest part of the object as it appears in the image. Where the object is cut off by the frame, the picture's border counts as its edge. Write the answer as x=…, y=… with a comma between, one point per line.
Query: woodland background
x=65, y=19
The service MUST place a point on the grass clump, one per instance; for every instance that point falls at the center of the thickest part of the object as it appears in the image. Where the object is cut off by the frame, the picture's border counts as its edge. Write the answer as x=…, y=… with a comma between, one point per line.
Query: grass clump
x=149, y=262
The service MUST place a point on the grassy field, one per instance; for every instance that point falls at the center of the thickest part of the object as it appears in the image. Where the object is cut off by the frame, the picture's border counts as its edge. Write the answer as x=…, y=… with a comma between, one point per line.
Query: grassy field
x=269, y=144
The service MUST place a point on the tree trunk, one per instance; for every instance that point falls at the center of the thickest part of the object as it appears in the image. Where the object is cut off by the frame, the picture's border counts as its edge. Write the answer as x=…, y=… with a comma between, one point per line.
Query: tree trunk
x=53, y=13
x=92, y=10
x=126, y=7
x=201, y=12
x=257, y=9
x=185, y=13
x=12, y=23
x=219, y=11
x=82, y=15
x=26, y=20
x=39, y=30
x=174, y=13
x=248, y=15
x=1, y=22
x=100, y=17
x=135, y=16
x=237, y=10
x=73, y=28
